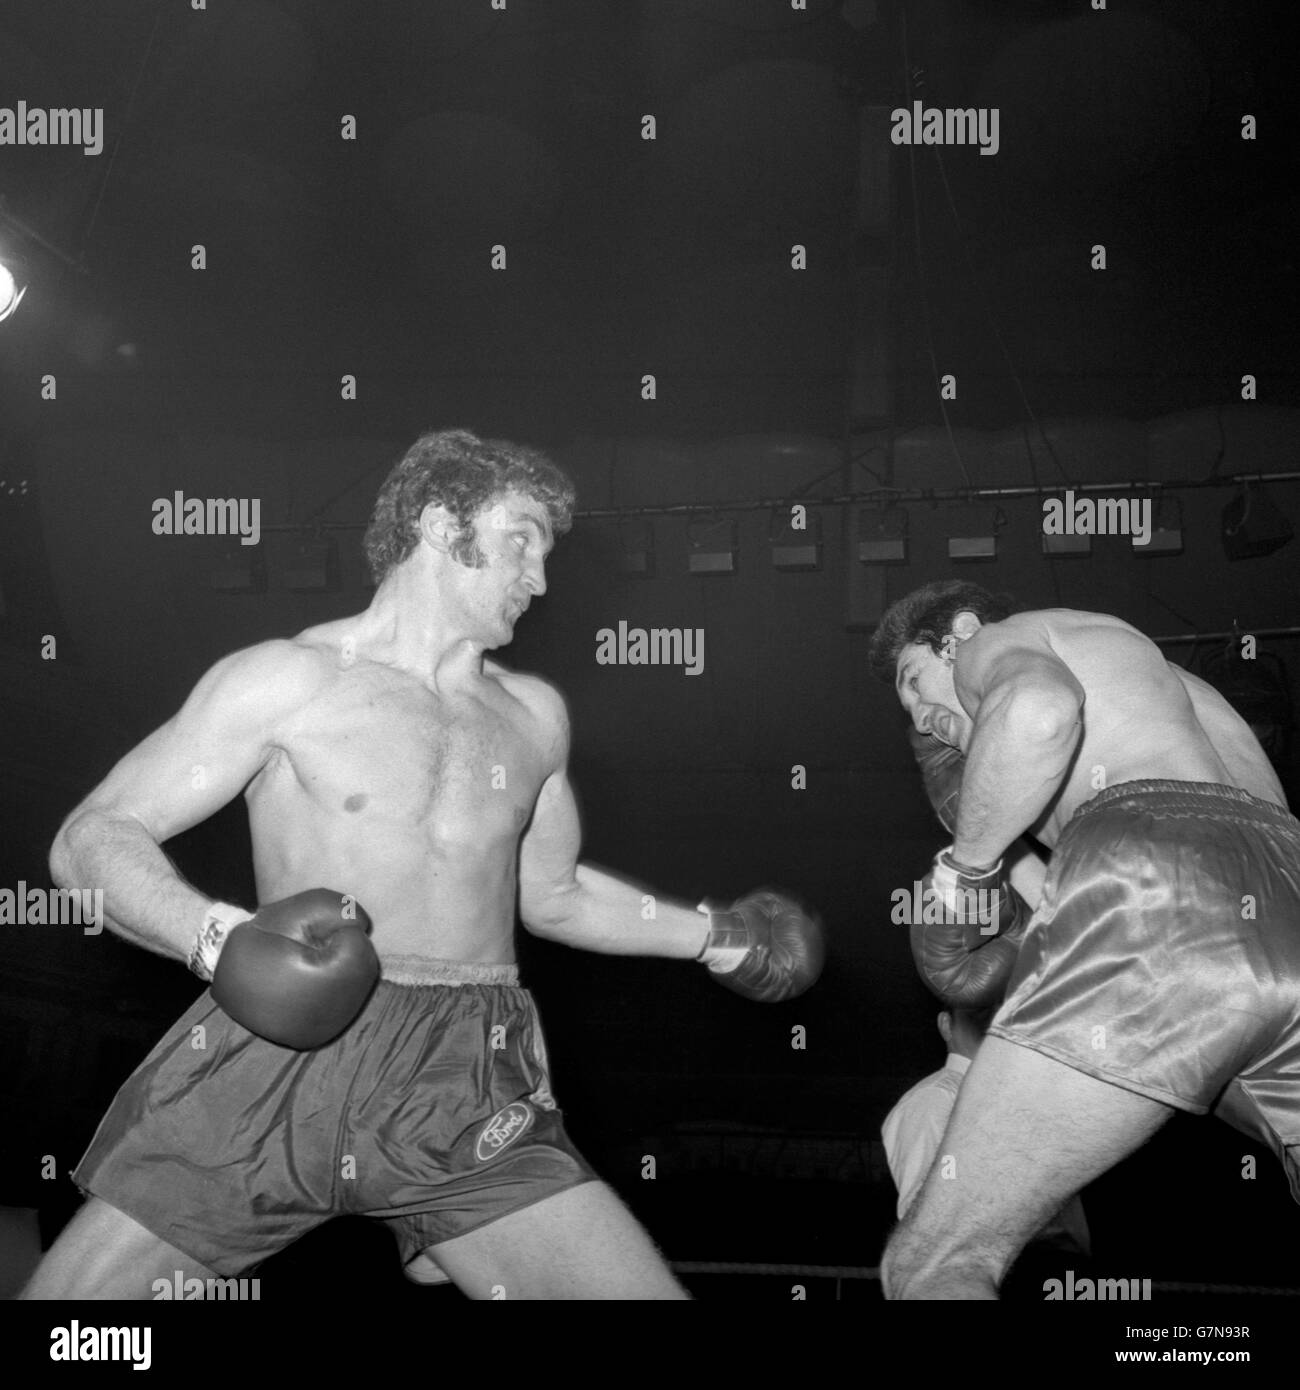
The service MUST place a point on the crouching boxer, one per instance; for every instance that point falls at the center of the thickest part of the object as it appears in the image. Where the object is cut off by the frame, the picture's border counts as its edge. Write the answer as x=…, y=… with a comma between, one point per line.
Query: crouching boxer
x=1161, y=966
x=365, y=1046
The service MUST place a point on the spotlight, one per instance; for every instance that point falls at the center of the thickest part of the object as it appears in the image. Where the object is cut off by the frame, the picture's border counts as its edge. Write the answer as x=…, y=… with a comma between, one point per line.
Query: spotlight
x=796, y=548
x=973, y=534
x=882, y=536
x=1253, y=526
x=1166, y=536
x=1067, y=547
x=11, y=294
x=713, y=547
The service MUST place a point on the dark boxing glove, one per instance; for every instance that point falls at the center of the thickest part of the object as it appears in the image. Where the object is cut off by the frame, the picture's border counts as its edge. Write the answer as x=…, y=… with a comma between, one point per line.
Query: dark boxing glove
x=764, y=946
x=973, y=922
x=941, y=770
x=299, y=970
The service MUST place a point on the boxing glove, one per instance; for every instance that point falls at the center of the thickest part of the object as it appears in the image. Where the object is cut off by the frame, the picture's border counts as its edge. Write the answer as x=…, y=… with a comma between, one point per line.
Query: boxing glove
x=764, y=946
x=972, y=925
x=941, y=770
x=299, y=970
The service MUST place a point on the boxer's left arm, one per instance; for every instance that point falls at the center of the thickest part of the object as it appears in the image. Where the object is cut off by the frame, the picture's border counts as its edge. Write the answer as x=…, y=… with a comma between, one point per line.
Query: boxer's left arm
x=765, y=946
x=1027, y=725
x=578, y=904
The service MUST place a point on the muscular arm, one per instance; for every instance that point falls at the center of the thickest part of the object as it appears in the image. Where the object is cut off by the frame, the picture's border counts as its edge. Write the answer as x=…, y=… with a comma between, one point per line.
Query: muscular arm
x=1027, y=725
x=580, y=905
x=183, y=772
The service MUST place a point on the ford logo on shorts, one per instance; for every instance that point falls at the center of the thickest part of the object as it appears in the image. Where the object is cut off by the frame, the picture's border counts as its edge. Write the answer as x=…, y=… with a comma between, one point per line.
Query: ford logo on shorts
x=502, y=1130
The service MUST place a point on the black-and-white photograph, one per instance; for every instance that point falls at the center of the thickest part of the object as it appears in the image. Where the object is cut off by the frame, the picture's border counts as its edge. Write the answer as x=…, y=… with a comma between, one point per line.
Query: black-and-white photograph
x=651, y=653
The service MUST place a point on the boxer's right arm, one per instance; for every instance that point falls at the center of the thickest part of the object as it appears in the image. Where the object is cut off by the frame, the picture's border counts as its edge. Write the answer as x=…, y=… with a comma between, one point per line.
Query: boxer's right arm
x=962, y=966
x=941, y=770
x=199, y=760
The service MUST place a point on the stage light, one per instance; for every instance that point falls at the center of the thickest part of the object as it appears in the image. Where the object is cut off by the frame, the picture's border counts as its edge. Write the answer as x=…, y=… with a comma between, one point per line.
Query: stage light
x=11, y=293
x=1067, y=547
x=637, y=549
x=973, y=534
x=1166, y=536
x=882, y=535
x=713, y=547
x=1253, y=526
x=793, y=547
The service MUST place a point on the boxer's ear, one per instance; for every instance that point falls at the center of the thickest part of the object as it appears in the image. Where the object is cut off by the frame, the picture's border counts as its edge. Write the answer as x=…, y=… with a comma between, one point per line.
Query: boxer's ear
x=965, y=624
x=438, y=527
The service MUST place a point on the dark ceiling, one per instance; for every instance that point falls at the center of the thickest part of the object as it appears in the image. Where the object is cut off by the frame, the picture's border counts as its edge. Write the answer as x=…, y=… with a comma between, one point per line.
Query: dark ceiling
x=476, y=126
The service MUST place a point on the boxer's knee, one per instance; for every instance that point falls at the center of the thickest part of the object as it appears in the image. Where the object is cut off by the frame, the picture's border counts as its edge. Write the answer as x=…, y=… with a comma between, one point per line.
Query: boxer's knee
x=917, y=1265
x=906, y=1262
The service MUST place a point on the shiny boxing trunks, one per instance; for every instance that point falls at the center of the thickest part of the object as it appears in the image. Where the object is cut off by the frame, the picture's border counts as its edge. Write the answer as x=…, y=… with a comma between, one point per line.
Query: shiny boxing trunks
x=432, y=1113
x=1165, y=955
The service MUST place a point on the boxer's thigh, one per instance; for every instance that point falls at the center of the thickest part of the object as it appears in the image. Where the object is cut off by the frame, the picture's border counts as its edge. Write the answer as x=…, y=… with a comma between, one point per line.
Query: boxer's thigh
x=580, y=1243
x=104, y=1254
x=1026, y=1134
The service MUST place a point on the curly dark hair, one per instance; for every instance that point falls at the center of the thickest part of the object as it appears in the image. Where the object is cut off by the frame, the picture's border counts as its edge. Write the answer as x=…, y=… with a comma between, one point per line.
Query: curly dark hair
x=460, y=471
x=926, y=614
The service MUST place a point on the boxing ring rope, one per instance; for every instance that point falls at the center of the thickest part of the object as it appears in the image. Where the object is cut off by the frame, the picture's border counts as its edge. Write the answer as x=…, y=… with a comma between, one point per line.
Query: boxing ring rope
x=872, y=1272
x=798, y=1271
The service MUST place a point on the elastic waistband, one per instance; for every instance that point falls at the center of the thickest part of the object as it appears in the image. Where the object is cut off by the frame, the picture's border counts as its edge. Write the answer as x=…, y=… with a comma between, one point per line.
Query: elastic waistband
x=1191, y=798
x=424, y=970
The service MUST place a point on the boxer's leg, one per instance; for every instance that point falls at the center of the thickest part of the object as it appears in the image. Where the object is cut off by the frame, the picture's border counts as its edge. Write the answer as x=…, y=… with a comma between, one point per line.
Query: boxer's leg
x=580, y=1243
x=102, y=1253
x=1027, y=1133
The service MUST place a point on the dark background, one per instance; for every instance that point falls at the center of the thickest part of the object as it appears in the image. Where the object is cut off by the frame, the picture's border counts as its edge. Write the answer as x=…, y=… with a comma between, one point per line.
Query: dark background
x=371, y=257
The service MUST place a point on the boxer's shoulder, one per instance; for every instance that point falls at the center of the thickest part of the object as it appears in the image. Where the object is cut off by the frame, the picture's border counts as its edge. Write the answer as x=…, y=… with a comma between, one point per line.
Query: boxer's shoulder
x=542, y=704
x=535, y=693
x=280, y=672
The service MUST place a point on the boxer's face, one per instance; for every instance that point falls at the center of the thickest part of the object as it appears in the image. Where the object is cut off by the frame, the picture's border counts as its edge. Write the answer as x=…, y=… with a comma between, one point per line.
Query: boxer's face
x=500, y=565
x=925, y=685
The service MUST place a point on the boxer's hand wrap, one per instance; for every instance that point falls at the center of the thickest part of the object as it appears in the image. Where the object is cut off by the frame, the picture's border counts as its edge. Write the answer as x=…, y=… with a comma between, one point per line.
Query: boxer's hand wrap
x=941, y=770
x=298, y=971
x=212, y=935
x=764, y=946
x=966, y=957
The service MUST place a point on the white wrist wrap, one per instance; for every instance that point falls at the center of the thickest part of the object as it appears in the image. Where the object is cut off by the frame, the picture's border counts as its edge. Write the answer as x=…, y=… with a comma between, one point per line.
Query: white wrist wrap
x=725, y=956
x=212, y=937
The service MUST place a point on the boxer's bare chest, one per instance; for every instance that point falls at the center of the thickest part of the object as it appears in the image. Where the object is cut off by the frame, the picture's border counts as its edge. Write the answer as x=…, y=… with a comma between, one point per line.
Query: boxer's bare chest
x=375, y=747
